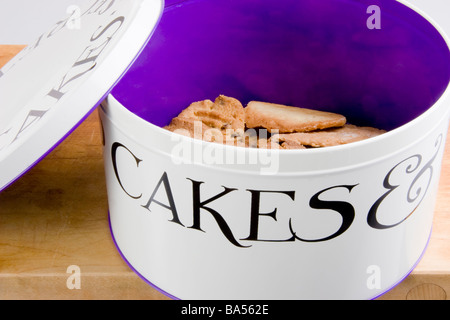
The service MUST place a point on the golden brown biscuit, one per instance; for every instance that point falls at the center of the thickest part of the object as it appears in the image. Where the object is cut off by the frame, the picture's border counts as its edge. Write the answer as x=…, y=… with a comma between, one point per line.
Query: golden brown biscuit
x=288, y=119
x=225, y=121
x=220, y=121
x=191, y=111
x=245, y=139
x=195, y=129
x=264, y=143
x=330, y=137
x=292, y=145
x=224, y=113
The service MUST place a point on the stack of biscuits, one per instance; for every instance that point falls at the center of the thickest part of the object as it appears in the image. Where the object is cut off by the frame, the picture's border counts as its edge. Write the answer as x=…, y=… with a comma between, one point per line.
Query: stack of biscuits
x=266, y=125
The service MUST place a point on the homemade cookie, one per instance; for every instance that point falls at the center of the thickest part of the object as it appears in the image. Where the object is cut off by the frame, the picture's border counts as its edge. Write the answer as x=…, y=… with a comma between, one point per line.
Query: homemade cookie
x=290, y=144
x=288, y=119
x=264, y=143
x=195, y=129
x=330, y=137
x=220, y=121
x=224, y=113
x=266, y=125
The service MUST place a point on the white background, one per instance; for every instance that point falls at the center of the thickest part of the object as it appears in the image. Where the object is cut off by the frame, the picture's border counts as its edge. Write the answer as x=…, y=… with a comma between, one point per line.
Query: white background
x=22, y=21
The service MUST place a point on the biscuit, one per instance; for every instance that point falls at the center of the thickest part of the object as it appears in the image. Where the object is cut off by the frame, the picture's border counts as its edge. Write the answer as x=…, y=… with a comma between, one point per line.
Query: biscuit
x=266, y=125
x=264, y=143
x=288, y=119
x=220, y=121
x=195, y=129
x=247, y=139
x=224, y=113
x=292, y=145
x=330, y=137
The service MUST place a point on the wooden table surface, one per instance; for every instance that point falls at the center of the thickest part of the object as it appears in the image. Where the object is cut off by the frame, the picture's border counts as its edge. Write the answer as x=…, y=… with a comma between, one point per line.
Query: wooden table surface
x=55, y=218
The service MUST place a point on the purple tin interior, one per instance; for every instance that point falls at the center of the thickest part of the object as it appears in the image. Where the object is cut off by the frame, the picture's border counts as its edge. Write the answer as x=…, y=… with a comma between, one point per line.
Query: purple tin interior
x=308, y=53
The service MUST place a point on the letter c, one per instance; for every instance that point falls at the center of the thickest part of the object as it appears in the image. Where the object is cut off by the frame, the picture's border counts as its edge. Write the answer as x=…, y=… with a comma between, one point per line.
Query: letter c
x=115, y=146
x=345, y=209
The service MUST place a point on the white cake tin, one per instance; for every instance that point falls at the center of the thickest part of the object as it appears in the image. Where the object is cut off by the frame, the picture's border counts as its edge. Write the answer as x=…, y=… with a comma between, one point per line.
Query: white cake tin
x=201, y=220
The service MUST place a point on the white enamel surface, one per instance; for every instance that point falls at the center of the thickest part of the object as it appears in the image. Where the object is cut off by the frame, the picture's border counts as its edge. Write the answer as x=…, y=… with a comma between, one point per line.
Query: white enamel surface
x=192, y=264
x=49, y=87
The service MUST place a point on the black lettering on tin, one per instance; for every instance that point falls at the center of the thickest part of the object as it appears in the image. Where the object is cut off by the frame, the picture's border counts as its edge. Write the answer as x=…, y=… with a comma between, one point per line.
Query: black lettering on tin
x=97, y=7
x=32, y=117
x=87, y=60
x=372, y=219
x=198, y=205
x=255, y=213
x=119, y=20
x=345, y=209
x=164, y=181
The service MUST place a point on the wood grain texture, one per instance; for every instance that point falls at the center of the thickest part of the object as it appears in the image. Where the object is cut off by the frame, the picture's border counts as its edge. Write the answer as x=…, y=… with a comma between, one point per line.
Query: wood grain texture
x=56, y=216
x=7, y=52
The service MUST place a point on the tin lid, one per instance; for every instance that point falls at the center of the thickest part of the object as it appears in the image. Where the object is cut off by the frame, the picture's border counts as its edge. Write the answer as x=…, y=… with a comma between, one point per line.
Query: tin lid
x=53, y=84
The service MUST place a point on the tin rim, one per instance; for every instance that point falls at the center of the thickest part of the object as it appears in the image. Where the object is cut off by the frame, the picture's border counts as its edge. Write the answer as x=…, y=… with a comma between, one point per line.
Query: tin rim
x=355, y=154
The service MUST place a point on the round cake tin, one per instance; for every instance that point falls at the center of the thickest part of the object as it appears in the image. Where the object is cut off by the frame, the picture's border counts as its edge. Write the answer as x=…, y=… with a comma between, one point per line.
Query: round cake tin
x=201, y=220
